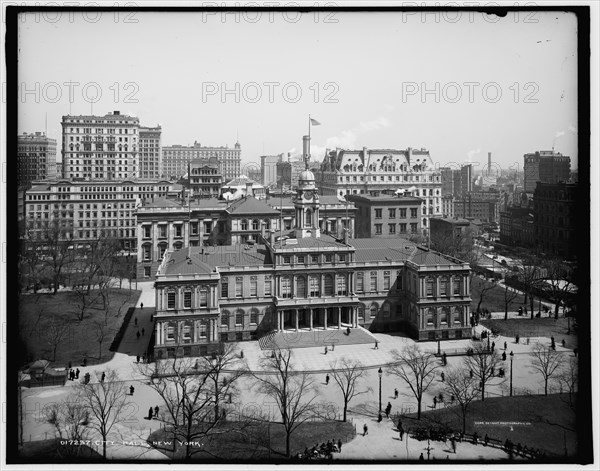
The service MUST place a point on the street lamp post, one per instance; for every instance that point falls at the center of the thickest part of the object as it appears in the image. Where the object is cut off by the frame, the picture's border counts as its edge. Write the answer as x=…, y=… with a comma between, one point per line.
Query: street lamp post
x=438, y=338
x=511, y=368
x=380, y=372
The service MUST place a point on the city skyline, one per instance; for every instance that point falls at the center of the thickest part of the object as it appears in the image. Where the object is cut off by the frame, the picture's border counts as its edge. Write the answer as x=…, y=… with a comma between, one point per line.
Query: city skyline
x=336, y=70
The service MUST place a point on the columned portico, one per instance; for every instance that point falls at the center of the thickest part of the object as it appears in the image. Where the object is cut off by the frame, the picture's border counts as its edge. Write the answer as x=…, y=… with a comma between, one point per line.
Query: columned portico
x=319, y=318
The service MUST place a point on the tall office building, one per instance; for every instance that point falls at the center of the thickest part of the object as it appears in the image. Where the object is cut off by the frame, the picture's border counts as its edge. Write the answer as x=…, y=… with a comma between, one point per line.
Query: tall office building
x=36, y=158
x=268, y=169
x=457, y=182
x=100, y=147
x=547, y=167
x=176, y=158
x=150, y=156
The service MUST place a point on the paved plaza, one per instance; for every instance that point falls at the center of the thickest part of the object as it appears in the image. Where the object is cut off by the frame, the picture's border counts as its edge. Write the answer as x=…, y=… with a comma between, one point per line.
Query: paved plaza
x=382, y=442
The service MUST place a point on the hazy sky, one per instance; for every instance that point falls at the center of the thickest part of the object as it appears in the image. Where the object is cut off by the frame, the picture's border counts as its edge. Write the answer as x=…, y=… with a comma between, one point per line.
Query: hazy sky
x=501, y=85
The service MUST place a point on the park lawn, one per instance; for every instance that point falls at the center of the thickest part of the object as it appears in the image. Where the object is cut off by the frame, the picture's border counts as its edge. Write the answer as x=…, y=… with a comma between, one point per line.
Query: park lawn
x=41, y=315
x=493, y=300
x=527, y=327
x=253, y=443
x=539, y=422
x=51, y=451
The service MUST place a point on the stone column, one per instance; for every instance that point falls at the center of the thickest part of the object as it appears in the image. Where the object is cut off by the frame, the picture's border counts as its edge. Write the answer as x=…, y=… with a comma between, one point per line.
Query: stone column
x=158, y=328
x=339, y=310
x=296, y=315
x=278, y=321
x=311, y=318
x=325, y=318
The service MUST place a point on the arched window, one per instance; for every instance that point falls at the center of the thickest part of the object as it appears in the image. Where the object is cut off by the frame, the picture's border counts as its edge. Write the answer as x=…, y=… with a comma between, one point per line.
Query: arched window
x=178, y=245
x=286, y=287
x=244, y=225
x=430, y=316
x=314, y=286
x=225, y=319
x=301, y=287
x=309, y=217
x=342, y=289
x=374, y=308
x=456, y=315
x=267, y=224
x=328, y=285
x=255, y=225
x=456, y=286
x=429, y=286
x=361, y=312
x=239, y=317
x=162, y=248
x=254, y=316
x=444, y=286
x=444, y=317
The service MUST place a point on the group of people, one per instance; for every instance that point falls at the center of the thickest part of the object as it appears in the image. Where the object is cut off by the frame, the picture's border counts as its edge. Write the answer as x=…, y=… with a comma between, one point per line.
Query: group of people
x=151, y=411
x=325, y=449
x=73, y=374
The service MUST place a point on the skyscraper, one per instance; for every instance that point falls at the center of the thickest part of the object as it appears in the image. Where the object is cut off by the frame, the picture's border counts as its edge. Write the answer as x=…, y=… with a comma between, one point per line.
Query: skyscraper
x=547, y=167
x=36, y=158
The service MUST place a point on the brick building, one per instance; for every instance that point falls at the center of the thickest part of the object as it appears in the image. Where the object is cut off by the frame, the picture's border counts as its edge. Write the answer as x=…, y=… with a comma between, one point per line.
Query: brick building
x=387, y=216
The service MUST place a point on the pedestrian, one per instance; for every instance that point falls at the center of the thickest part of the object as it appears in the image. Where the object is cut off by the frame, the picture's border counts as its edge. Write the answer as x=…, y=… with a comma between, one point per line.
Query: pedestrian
x=445, y=359
x=434, y=402
x=102, y=377
x=486, y=439
x=327, y=380
x=143, y=331
x=376, y=345
x=503, y=356
x=504, y=345
x=517, y=338
x=325, y=349
x=401, y=431
x=142, y=305
x=470, y=373
x=70, y=375
x=138, y=334
x=475, y=438
x=388, y=409
x=563, y=343
x=493, y=346
x=453, y=442
x=395, y=393
x=348, y=331
x=156, y=412
x=552, y=344
x=333, y=347
x=87, y=378
x=150, y=414
x=131, y=390
x=339, y=445
x=443, y=376
x=77, y=373
x=144, y=358
x=365, y=430
x=135, y=321
x=421, y=457
x=137, y=359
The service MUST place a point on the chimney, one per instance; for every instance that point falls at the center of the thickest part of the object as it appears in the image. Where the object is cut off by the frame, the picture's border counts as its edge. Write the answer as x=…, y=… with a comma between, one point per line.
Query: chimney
x=249, y=191
x=272, y=238
x=116, y=113
x=346, y=236
x=263, y=230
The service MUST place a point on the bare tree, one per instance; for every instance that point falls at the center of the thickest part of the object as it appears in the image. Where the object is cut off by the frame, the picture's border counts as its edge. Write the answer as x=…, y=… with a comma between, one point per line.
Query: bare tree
x=547, y=361
x=557, y=282
x=293, y=391
x=460, y=385
x=510, y=295
x=54, y=332
x=101, y=331
x=106, y=402
x=529, y=276
x=416, y=368
x=568, y=378
x=483, y=364
x=85, y=298
x=187, y=389
x=55, y=239
x=70, y=420
x=346, y=373
x=482, y=286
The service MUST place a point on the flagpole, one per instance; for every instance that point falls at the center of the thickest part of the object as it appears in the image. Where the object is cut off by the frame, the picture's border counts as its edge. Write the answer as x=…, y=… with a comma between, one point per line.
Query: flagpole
x=307, y=157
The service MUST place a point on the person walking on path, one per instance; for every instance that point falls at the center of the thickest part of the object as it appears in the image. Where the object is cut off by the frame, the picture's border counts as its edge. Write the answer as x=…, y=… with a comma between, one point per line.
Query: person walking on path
x=137, y=359
x=376, y=345
x=388, y=409
x=135, y=321
x=77, y=373
x=503, y=356
x=453, y=442
x=156, y=412
x=365, y=430
x=445, y=359
x=493, y=346
x=141, y=305
x=333, y=347
x=325, y=349
x=401, y=431
x=552, y=343
x=327, y=380
x=138, y=334
x=339, y=445
x=504, y=345
x=103, y=377
x=150, y=414
x=395, y=393
x=563, y=344
x=421, y=457
x=486, y=439
x=131, y=390
x=443, y=376
x=434, y=402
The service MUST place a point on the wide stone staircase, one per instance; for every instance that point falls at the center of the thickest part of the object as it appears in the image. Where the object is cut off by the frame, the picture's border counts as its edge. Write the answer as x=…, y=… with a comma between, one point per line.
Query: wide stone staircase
x=315, y=338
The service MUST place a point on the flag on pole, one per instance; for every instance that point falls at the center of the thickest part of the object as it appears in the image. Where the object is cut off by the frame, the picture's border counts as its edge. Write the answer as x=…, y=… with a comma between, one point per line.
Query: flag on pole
x=314, y=122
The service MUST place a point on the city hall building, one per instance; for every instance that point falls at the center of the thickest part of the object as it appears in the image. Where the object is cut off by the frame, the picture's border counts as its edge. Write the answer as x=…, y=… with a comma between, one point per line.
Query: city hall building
x=303, y=280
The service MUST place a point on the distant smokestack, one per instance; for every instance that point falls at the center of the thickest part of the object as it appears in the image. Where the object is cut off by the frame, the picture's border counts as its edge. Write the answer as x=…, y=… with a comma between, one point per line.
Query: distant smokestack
x=489, y=160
